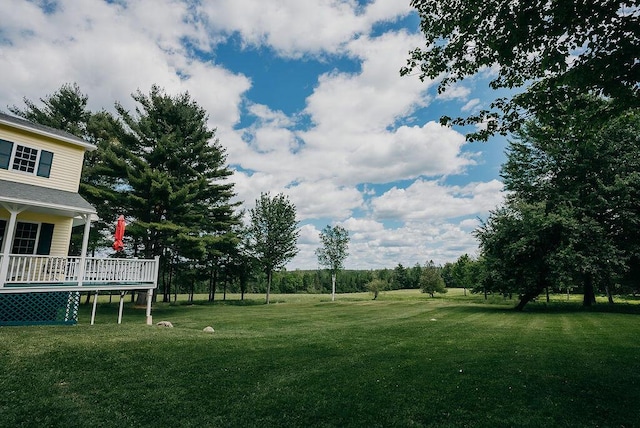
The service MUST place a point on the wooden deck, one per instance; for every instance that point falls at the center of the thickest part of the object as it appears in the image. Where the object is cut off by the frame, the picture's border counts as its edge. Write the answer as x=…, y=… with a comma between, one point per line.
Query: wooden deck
x=27, y=273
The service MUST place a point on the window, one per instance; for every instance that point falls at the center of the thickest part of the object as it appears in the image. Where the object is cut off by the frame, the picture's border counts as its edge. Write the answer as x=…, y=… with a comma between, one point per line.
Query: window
x=30, y=238
x=25, y=159
x=24, y=241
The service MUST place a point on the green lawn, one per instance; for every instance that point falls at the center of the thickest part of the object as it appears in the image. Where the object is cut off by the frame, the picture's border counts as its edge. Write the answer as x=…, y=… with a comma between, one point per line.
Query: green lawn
x=403, y=360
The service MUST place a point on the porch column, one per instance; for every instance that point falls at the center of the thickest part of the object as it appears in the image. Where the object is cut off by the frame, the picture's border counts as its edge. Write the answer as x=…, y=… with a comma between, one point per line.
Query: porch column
x=14, y=210
x=85, y=247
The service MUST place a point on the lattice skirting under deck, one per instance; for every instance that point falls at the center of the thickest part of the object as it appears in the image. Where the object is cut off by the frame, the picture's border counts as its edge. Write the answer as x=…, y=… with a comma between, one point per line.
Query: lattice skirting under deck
x=59, y=307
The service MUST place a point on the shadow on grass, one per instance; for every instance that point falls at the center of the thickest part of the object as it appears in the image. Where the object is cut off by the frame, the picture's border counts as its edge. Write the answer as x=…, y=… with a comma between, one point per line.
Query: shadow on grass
x=247, y=302
x=551, y=307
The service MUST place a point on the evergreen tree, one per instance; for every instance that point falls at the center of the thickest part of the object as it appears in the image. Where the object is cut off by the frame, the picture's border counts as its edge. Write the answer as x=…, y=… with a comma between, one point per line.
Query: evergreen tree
x=174, y=179
x=67, y=110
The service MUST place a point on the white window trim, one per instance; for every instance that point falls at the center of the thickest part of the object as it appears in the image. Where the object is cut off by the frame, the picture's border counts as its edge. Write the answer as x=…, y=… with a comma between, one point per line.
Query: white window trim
x=35, y=246
x=14, y=149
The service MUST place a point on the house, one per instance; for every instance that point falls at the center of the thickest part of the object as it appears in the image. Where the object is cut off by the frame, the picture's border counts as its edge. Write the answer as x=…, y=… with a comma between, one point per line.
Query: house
x=40, y=170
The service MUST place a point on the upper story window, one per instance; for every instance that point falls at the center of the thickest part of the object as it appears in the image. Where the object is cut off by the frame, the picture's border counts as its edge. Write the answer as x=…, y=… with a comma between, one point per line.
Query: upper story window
x=25, y=159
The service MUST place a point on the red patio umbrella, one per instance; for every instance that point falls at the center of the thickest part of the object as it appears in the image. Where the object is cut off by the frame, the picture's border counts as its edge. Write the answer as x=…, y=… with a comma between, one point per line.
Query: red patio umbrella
x=120, y=225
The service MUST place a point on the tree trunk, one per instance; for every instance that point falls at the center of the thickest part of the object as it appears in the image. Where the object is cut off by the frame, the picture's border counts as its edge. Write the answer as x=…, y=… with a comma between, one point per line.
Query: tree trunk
x=333, y=287
x=529, y=296
x=268, y=285
x=589, y=294
x=547, y=288
x=166, y=293
x=141, y=300
x=213, y=282
x=609, y=295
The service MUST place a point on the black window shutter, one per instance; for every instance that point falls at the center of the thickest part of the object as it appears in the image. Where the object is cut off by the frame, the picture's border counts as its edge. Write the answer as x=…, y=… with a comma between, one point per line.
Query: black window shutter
x=5, y=153
x=44, y=167
x=3, y=227
x=46, y=235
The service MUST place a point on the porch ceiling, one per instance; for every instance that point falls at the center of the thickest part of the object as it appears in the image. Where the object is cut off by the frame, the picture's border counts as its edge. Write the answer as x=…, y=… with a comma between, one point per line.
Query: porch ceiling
x=44, y=200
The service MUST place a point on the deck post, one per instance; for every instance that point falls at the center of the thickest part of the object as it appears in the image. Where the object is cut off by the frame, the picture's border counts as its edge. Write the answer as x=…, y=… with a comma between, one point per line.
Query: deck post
x=149, y=297
x=122, y=293
x=85, y=248
x=93, y=311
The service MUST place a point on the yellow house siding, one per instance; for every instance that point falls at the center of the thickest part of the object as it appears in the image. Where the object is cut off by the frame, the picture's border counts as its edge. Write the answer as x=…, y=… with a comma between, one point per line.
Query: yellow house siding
x=61, y=229
x=66, y=166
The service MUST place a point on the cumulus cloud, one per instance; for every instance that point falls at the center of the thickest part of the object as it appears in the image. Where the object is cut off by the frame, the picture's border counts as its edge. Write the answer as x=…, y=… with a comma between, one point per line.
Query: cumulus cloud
x=359, y=128
x=111, y=50
x=431, y=200
x=293, y=28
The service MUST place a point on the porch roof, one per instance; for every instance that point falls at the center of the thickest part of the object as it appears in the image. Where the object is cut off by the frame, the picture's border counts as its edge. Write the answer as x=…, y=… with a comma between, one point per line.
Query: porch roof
x=44, y=199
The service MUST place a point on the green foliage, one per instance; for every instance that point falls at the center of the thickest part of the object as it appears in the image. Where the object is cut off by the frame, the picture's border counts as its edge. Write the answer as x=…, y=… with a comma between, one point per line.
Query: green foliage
x=162, y=168
x=572, y=214
x=273, y=233
x=173, y=181
x=431, y=281
x=335, y=243
x=555, y=50
x=376, y=285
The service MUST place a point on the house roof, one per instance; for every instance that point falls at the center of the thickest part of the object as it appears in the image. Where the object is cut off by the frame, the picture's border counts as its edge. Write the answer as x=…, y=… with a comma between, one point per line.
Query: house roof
x=47, y=131
x=44, y=199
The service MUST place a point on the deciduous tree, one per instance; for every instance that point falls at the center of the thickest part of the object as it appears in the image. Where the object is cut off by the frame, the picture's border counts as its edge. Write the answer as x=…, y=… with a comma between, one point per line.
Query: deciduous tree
x=551, y=51
x=332, y=254
x=431, y=281
x=273, y=233
x=572, y=215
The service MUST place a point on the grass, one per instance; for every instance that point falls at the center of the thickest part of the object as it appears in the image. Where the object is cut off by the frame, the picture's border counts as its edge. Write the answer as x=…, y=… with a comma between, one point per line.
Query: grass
x=400, y=361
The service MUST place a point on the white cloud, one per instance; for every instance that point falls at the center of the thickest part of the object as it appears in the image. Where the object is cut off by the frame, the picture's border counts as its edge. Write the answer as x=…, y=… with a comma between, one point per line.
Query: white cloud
x=471, y=105
x=361, y=128
x=111, y=51
x=455, y=92
x=296, y=28
x=431, y=201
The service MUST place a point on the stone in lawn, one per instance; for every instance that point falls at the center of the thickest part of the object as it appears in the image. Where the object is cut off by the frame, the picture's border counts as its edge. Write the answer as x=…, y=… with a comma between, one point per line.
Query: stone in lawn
x=165, y=324
x=208, y=329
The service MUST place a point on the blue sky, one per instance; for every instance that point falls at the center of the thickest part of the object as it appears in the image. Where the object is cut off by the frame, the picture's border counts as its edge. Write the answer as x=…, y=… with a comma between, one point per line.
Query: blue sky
x=306, y=97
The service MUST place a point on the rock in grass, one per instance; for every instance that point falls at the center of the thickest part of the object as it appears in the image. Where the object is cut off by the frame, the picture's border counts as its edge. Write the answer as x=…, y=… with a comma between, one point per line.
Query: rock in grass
x=165, y=324
x=208, y=329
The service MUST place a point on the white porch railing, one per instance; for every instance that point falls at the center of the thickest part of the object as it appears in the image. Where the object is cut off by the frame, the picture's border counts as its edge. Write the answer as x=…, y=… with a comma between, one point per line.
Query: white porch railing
x=47, y=272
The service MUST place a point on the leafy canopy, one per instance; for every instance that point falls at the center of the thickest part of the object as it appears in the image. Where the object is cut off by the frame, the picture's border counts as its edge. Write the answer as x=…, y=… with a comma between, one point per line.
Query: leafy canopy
x=553, y=49
x=572, y=212
x=335, y=242
x=273, y=233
